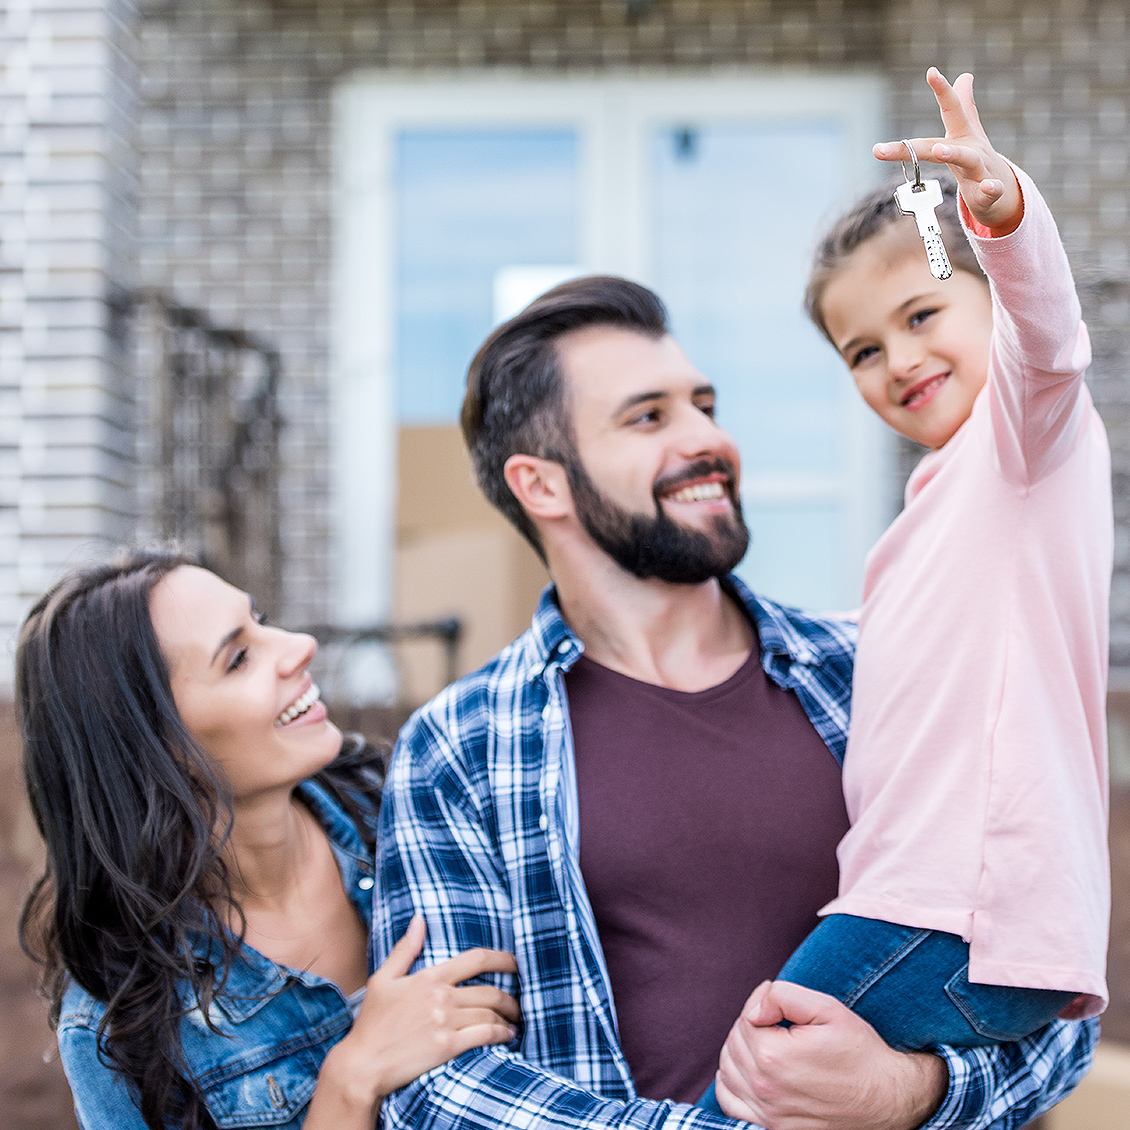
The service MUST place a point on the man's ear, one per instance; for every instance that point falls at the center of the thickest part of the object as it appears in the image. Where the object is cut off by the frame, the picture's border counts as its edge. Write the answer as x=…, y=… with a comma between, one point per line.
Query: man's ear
x=540, y=485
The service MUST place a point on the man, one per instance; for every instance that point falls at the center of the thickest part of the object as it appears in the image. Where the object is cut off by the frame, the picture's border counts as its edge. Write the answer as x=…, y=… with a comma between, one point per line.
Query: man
x=640, y=796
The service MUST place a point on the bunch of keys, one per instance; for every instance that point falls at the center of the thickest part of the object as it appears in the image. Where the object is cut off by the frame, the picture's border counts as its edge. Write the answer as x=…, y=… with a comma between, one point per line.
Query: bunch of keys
x=920, y=200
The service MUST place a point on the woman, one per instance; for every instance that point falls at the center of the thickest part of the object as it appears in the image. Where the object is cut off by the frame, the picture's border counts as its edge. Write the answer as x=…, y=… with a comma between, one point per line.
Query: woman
x=203, y=918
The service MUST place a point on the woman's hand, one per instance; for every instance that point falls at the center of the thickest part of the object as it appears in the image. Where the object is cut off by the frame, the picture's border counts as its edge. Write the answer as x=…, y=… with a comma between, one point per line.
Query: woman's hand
x=409, y=1024
x=985, y=179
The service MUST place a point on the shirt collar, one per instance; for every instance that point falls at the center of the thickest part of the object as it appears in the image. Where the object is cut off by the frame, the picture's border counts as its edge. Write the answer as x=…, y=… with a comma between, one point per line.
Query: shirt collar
x=782, y=644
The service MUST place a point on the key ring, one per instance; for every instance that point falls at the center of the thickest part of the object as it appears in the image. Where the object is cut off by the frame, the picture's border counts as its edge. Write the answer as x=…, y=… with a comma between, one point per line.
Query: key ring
x=918, y=185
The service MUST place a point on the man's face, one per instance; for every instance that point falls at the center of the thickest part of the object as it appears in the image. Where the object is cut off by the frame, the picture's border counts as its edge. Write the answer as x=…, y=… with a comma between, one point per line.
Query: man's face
x=655, y=480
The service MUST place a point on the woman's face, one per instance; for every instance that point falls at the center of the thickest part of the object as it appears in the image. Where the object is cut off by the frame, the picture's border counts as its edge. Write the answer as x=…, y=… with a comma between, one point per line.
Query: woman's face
x=241, y=687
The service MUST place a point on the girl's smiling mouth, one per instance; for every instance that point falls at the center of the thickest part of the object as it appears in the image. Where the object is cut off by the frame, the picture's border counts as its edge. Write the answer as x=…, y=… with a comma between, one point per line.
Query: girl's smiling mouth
x=923, y=392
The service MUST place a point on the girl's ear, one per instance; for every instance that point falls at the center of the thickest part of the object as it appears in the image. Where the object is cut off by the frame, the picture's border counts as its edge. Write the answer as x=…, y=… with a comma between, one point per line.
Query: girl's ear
x=540, y=485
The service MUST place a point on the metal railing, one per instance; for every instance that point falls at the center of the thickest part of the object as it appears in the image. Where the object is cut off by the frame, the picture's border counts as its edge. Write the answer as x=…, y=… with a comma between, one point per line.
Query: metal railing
x=209, y=441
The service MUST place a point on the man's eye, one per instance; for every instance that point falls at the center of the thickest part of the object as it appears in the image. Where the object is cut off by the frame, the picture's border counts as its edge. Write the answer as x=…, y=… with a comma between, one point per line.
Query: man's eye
x=707, y=409
x=649, y=417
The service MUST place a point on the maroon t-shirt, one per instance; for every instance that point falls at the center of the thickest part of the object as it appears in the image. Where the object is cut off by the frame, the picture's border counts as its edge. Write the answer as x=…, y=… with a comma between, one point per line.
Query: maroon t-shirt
x=708, y=832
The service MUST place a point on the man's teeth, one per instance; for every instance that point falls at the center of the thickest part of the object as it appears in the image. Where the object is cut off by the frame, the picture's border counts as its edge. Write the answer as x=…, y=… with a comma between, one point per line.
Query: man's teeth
x=299, y=706
x=699, y=492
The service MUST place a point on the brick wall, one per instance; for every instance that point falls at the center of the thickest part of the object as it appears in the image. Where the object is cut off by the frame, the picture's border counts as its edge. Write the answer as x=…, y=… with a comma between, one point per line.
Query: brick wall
x=235, y=211
x=67, y=211
x=1054, y=94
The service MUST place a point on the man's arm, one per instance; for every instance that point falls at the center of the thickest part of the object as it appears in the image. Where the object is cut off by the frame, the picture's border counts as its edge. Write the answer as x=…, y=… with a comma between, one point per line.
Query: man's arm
x=1006, y=1086
x=799, y=1078
x=439, y=858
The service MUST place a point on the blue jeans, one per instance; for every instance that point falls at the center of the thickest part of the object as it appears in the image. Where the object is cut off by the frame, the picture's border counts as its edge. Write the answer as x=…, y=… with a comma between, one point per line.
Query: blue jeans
x=912, y=987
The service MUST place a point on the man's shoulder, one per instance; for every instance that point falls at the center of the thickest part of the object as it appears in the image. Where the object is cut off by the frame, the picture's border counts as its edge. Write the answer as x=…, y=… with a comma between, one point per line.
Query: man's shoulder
x=800, y=636
x=497, y=698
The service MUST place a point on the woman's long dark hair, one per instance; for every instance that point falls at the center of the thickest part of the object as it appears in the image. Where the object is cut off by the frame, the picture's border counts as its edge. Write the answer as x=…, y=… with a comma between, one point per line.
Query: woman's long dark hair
x=135, y=818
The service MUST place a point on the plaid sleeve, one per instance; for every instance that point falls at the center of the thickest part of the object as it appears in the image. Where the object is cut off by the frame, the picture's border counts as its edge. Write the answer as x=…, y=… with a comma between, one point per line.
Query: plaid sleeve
x=1006, y=1086
x=438, y=857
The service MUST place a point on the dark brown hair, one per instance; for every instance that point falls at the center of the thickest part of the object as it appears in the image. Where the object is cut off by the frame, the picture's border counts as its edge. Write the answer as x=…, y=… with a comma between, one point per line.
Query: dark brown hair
x=871, y=217
x=515, y=401
x=135, y=818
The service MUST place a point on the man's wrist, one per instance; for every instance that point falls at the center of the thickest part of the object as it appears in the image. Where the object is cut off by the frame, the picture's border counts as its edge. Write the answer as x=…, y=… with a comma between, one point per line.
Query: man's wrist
x=931, y=1084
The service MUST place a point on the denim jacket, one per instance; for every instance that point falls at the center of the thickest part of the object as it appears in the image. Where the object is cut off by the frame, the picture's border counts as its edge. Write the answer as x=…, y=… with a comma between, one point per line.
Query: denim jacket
x=276, y=1024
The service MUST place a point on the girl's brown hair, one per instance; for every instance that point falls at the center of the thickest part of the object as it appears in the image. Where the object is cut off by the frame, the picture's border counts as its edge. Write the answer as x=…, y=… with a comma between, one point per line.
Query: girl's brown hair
x=876, y=212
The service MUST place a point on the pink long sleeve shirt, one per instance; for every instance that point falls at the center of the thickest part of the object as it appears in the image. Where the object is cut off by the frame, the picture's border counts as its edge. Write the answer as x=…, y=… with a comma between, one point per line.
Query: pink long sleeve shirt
x=976, y=768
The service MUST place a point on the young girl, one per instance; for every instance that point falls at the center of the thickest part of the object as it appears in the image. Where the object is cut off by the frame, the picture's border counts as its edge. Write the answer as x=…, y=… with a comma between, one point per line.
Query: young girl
x=974, y=888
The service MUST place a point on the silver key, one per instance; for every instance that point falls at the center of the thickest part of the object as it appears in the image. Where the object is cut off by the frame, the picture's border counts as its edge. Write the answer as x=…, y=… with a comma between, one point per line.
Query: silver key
x=920, y=200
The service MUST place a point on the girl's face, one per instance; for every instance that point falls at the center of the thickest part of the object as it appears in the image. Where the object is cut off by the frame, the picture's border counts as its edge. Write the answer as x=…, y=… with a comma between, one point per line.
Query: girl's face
x=234, y=679
x=917, y=348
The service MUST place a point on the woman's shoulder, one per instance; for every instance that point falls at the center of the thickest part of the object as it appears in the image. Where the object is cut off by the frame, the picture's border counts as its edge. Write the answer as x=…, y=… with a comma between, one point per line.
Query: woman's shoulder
x=79, y=1009
x=255, y=1056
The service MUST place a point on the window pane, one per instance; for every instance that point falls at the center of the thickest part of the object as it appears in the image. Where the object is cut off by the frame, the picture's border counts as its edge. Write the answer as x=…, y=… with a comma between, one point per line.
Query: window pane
x=737, y=209
x=469, y=202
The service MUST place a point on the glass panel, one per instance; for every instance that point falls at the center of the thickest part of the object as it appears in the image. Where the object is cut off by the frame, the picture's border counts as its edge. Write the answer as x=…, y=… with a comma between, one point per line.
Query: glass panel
x=737, y=209
x=791, y=554
x=469, y=202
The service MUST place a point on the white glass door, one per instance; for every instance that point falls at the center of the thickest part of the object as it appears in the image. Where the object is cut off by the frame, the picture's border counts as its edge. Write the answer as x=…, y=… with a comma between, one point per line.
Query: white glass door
x=460, y=199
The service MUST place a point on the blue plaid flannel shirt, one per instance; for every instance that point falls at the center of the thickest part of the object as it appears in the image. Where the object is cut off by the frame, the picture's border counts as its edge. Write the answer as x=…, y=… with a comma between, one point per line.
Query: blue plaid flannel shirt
x=479, y=834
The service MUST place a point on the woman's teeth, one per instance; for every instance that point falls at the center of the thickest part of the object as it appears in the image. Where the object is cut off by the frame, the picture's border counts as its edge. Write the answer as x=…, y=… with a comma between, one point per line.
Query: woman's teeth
x=699, y=492
x=299, y=706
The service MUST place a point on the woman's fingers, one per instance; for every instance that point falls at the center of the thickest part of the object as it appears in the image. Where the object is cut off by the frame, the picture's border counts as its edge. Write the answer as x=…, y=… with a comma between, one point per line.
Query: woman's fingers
x=473, y=963
x=477, y=1036
x=404, y=953
x=464, y=1018
x=488, y=997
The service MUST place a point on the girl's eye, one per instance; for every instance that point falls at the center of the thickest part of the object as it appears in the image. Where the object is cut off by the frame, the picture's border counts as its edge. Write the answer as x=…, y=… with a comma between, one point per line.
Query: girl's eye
x=861, y=355
x=919, y=316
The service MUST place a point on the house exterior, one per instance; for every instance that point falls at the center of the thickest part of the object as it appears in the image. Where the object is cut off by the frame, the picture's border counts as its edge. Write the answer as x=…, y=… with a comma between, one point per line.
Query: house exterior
x=314, y=173
x=243, y=156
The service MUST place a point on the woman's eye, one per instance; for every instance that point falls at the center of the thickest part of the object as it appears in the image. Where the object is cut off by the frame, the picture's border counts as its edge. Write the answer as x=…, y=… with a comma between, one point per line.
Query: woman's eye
x=258, y=616
x=238, y=659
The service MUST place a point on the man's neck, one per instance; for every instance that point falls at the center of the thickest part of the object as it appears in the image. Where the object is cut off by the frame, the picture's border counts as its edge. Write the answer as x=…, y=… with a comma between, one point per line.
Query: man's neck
x=686, y=637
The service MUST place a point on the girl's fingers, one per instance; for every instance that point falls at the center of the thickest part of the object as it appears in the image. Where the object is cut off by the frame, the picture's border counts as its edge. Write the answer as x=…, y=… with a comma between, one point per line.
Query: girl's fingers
x=963, y=88
x=405, y=952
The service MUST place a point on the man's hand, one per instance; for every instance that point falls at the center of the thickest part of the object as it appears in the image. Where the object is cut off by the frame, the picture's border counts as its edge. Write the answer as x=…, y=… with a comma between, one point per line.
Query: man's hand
x=830, y=1069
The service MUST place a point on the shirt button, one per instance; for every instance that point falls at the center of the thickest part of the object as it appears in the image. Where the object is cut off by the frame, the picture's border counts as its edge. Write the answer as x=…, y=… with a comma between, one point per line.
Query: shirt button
x=543, y=823
x=365, y=882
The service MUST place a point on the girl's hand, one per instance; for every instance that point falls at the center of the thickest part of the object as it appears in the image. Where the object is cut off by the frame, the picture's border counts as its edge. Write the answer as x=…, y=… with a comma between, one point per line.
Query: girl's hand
x=985, y=179
x=409, y=1024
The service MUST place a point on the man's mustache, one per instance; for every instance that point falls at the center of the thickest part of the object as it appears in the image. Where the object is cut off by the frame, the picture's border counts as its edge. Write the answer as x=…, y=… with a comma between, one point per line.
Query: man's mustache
x=699, y=469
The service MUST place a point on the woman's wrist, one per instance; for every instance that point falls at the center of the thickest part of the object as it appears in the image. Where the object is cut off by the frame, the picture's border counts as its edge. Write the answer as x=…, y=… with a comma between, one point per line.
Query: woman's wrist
x=349, y=1087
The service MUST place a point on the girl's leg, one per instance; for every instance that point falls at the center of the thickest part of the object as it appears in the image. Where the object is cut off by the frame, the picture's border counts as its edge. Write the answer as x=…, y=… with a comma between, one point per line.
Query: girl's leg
x=912, y=985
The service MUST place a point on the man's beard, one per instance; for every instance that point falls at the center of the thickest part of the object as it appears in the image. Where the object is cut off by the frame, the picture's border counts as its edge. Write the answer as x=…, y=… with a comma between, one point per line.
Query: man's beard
x=655, y=546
